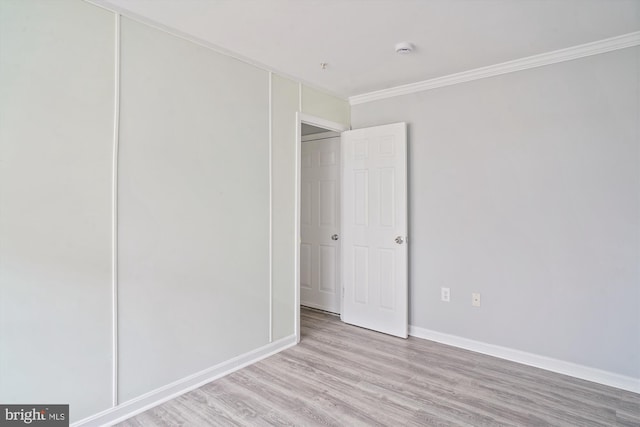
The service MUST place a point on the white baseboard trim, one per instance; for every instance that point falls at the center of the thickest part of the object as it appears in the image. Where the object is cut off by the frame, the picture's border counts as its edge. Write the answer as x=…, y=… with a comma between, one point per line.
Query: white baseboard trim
x=154, y=398
x=530, y=359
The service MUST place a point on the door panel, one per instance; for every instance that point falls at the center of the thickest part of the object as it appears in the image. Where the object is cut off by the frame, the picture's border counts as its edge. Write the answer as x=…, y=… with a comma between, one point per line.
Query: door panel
x=327, y=270
x=320, y=220
x=374, y=200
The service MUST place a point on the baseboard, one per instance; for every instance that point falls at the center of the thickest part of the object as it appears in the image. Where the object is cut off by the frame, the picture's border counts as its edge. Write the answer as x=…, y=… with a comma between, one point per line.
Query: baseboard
x=154, y=398
x=530, y=359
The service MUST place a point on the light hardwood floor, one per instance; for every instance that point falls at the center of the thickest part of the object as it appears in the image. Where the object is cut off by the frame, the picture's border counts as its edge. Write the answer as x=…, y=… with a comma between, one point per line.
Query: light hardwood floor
x=341, y=375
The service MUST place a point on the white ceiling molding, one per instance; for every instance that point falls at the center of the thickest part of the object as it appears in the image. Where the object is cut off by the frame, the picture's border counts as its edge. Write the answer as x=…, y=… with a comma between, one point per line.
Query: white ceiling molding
x=561, y=55
x=292, y=37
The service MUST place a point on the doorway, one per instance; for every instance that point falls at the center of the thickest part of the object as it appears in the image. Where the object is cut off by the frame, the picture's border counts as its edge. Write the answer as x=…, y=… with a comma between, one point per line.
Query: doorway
x=367, y=262
x=320, y=219
x=318, y=215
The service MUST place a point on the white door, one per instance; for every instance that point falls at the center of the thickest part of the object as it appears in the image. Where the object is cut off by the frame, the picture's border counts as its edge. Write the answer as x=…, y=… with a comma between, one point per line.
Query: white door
x=374, y=228
x=320, y=224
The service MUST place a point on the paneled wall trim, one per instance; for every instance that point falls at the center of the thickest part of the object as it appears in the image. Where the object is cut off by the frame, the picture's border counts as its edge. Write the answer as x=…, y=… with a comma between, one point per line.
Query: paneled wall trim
x=152, y=207
x=114, y=214
x=548, y=58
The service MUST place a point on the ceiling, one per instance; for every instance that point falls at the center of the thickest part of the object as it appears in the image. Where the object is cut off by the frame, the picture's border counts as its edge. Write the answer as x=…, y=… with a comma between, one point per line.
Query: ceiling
x=356, y=38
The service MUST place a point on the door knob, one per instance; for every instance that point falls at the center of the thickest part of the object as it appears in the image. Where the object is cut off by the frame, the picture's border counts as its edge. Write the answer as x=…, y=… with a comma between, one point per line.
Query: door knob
x=399, y=240
x=334, y=237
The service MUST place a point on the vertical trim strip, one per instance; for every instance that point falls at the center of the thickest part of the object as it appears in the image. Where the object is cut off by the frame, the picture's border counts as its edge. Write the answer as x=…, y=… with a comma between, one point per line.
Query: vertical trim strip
x=270, y=208
x=114, y=213
x=296, y=279
x=296, y=237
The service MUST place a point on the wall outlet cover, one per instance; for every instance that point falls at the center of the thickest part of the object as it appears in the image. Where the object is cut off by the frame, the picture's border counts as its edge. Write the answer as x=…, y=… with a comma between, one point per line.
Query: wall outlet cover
x=475, y=300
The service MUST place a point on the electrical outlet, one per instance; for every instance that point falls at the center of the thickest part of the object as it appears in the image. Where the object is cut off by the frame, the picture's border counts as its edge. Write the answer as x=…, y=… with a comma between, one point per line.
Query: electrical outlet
x=475, y=300
x=445, y=294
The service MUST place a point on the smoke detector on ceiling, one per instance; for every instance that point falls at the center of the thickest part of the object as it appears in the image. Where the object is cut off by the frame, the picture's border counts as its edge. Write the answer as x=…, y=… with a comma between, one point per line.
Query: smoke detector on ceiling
x=404, y=47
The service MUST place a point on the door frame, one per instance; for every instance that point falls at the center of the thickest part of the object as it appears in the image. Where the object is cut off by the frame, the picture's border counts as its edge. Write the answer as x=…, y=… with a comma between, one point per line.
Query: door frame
x=325, y=124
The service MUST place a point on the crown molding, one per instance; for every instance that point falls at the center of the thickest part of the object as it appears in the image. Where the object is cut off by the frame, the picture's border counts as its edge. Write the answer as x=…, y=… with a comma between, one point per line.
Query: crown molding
x=561, y=55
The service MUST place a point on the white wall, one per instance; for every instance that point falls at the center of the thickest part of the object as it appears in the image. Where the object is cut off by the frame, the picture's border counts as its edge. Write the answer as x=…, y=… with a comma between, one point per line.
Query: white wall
x=206, y=178
x=325, y=106
x=56, y=138
x=285, y=98
x=288, y=97
x=526, y=188
x=193, y=210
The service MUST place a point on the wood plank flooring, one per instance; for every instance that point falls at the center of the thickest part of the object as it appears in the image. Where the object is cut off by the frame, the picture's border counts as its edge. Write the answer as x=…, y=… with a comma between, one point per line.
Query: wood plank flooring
x=341, y=375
